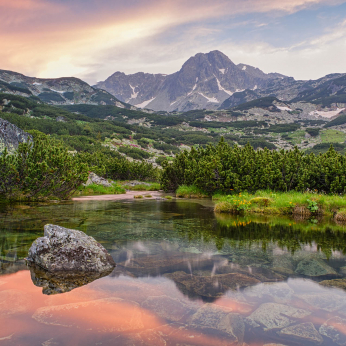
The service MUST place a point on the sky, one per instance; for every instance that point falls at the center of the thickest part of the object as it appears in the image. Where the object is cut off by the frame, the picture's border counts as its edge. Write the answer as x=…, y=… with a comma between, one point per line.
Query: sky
x=92, y=39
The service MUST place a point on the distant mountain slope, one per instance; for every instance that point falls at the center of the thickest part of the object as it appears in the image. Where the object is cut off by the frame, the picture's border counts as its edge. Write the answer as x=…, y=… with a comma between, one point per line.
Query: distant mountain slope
x=204, y=81
x=57, y=91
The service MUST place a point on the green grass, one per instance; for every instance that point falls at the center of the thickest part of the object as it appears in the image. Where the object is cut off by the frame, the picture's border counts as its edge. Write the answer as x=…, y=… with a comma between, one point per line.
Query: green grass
x=297, y=137
x=266, y=202
x=185, y=191
x=332, y=136
x=143, y=187
x=95, y=189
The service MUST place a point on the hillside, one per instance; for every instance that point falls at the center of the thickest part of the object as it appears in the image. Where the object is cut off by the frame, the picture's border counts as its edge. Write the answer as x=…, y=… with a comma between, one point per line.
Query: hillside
x=152, y=137
x=57, y=91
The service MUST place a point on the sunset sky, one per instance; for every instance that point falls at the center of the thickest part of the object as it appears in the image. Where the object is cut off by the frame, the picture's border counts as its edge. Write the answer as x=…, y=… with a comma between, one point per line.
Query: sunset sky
x=91, y=39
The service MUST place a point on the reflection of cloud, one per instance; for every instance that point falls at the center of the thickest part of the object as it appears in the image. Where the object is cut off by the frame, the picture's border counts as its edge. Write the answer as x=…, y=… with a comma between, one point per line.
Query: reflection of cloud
x=61, y=38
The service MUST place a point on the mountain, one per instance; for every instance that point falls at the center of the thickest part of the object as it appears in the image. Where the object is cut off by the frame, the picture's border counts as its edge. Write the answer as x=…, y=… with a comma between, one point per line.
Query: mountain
x=325, y=91
x=204, y=81
x=58, y=91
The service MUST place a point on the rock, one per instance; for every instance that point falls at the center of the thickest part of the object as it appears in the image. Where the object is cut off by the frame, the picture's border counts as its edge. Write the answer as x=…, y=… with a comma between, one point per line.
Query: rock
x=280, y=292
x=11, y=136
x=172, y=310
x=110, y=315
x=325, y=301
x=343, y=270
x=61, y=282
x=304, y=332
x=275, y=316
x=213, y=319
x=335, y=329
x=154, y=265
x=95, y=179
x=210, y=286
x=337, y=283
x=314, y=268
x=63, y=249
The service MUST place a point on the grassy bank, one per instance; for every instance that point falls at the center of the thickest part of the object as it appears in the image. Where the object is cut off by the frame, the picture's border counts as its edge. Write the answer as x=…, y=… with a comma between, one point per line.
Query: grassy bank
x=94, y=190
x=288, y=203
x=185, y=191
x=141, y=187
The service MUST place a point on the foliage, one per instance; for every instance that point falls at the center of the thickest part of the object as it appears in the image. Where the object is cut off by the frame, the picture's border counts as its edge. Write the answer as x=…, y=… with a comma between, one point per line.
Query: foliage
x=135, y=153
x=313, y=132
x=142, y=187
x=222, y=168
x=41, y=170
x=312, y=205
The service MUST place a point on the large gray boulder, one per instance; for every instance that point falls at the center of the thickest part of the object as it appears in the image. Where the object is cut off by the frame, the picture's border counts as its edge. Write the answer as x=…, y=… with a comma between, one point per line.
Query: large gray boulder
x=68, y=250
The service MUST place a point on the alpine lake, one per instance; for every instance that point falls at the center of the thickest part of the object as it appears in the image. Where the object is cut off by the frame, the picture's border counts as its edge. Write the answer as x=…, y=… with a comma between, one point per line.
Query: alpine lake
x=185, y=276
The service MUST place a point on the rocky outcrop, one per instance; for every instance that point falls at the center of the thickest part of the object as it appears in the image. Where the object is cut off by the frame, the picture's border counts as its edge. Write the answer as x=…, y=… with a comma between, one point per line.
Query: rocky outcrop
x=95, y=179
x=11, y=136
x=68, y=250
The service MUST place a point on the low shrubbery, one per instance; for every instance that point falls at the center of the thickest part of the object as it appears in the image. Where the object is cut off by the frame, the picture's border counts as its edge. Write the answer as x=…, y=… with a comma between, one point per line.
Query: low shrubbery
x=223, y=168
x=40, y=170
x=142, y=187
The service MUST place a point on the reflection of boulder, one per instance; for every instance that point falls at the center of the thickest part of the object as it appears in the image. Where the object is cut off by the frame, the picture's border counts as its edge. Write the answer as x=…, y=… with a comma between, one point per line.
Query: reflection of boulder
x=63, y=249
x=61, y=282
x=210, y=287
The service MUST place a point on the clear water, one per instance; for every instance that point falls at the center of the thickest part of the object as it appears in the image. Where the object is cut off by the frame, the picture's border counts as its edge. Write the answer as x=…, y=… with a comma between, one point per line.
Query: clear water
x=184, y=276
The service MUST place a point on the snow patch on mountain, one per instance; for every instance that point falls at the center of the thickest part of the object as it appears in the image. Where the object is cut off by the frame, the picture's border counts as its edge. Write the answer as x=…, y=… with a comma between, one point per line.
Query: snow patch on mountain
x=210, y=99
x=222, y=70
x=145, y=103
x=222, y=88
x=284, y=108
x=244, y=68
x=328, y=114
x=134, y=94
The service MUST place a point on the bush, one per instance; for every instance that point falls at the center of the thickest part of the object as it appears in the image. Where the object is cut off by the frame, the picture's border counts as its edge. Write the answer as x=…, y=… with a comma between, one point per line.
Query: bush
x=41, y=170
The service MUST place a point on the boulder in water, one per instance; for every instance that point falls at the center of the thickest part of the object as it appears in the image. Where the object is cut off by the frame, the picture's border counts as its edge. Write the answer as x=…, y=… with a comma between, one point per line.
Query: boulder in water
x=68, y=250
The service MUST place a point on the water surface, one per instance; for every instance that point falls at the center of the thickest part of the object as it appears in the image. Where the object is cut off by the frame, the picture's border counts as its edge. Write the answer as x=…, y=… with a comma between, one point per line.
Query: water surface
x=184, y=276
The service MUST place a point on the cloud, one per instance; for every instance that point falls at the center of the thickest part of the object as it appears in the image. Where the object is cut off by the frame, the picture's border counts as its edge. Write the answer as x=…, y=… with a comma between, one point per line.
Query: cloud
x=93, y=38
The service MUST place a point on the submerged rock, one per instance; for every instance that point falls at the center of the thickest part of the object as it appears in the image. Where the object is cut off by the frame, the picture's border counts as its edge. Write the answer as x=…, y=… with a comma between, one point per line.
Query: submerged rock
x=213, y=319
x=314, y=267
x=210, y=286
x=275, y=316
x=304, y=332
x=63, y=249
x=170, y=309
x=325, y=301
x=334, y=329
x=337, y=283
x=280, y=292
x=61, y=282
